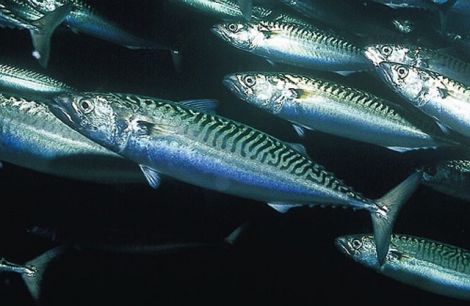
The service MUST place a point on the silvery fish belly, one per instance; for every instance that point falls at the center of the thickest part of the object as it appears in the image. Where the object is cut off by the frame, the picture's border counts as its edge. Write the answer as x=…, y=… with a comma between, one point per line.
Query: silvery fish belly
x=444, y=99
x=333, y=108
x=32, y=137
x=200, y=148
x=419, y=57
x=430, y=265
x=18, y=80
x=293, y=44
x=450, y=177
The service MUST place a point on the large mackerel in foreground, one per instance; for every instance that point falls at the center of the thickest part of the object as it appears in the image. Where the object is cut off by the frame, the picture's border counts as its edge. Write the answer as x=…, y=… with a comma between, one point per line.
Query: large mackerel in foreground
x=336, y=109
x=430, y=265
x=216, y=153
x=442, y=98
x=32, y=137
x=294, y=44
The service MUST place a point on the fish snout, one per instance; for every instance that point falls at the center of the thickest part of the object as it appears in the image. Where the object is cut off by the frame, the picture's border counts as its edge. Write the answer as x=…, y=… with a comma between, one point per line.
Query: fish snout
x=343, y=246
x=231, y=82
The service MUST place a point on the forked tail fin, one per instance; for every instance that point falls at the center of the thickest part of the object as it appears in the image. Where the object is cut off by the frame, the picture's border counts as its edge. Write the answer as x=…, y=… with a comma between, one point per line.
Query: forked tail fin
x=42, y=37
x=390, y=204
x=39, y=264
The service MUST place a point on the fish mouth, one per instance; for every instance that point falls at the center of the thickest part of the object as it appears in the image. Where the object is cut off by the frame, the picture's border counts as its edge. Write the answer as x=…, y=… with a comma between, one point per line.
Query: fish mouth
x=60, y=106
x=342, y=244
x=220, y=31
x=373, y=56
x=231, y=82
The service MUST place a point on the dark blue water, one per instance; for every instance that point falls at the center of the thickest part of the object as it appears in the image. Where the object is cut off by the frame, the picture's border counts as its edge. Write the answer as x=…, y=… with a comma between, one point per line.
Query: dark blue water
x=285, y=259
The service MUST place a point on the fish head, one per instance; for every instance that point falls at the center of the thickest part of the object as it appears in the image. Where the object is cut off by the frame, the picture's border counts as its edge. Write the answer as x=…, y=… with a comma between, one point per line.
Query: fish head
x=379, y=53
x=244, y=36
x=412, y=83
x=262, y=90
x=360, y=248
x=93, y=115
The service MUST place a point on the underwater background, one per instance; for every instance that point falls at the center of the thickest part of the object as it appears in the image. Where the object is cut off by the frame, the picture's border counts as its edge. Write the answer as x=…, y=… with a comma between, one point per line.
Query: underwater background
x=287, y=259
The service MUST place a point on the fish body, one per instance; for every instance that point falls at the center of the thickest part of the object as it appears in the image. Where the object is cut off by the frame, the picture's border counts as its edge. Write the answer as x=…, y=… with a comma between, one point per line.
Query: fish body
x=229, y=10
x=216, y=153
x=419, y=57
x=295, y=45
x=343, y=15
x=430, y=265
x=442, y=98
x=451, y=177
x=84, y=19
x=32, y=137
x=336, y=109
x=18, y=80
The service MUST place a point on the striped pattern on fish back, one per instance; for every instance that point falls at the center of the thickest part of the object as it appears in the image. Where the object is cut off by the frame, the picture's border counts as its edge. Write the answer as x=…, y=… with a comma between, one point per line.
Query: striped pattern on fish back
x=32, y=76
x=452, y=62
x=446, y=256
x=309, y=33
x=350, y=95
x=243, y=141
x=451, y=84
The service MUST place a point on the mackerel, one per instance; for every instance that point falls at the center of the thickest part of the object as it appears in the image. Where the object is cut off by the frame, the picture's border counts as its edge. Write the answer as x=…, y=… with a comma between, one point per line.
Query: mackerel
x=336, y=109
x=294, y=44
x=419, y=57
x=32, y=137
x=442, y=98
x=430, y=265
x=210, y=151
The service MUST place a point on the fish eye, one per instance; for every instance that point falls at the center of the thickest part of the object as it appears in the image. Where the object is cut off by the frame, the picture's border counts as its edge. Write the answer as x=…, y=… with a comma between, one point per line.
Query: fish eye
x=86, y=106
x=386, y=50
x=249, y=81
x=233, y=27
x=402, y=72
x=357, y=244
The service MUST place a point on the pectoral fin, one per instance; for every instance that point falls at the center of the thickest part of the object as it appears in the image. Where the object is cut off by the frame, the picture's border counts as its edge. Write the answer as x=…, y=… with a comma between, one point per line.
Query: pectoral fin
x=152, y=176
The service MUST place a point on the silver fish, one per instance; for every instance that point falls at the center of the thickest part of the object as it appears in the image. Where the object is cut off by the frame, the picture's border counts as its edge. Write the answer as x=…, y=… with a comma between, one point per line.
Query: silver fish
x=19, y=80
x=83, y=18
x=216, y=153
x=451, y=177
x=32, y=137
x=41, y=25
x=336, y=109
x=32, y=272
x=293, y=44
x=419, y=57
x=444, y=99
x=429, y=265
x=229, y=9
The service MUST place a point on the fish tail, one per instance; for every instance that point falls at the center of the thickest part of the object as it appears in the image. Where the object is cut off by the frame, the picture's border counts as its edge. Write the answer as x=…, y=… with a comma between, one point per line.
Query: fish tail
x=47, y=25
x=389, y=206
x=33, y=281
